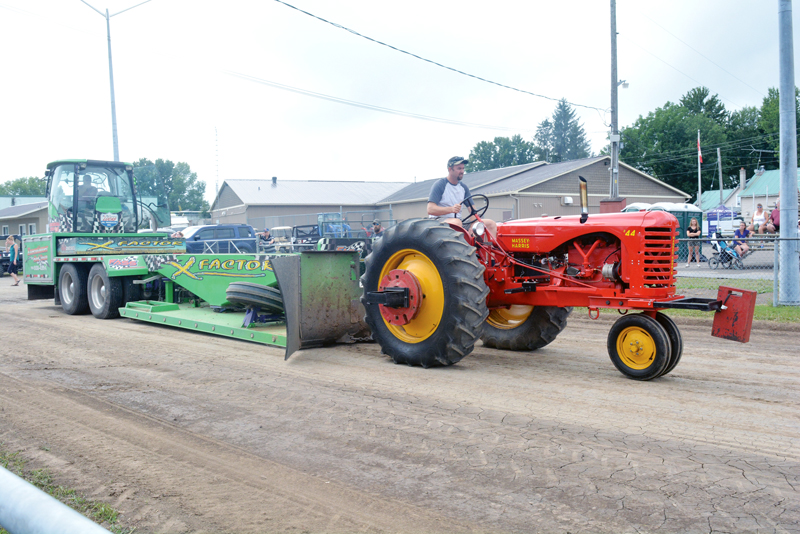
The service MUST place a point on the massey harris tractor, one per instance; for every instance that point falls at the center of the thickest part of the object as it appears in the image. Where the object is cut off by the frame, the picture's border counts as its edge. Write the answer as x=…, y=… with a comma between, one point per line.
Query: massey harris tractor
x=429, y=291
x=432, y=290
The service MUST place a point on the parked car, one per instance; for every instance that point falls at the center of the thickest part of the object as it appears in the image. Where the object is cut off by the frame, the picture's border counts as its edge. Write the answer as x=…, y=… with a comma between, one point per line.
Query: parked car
x=220, y=239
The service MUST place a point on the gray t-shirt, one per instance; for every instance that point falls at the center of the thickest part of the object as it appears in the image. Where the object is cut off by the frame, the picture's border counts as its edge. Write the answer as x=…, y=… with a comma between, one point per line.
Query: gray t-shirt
x=445, y=194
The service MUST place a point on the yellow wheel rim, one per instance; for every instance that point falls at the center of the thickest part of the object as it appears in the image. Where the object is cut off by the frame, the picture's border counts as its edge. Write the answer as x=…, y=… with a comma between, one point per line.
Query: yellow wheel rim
x=636, y=348
x=509, y=318
x=431, y=310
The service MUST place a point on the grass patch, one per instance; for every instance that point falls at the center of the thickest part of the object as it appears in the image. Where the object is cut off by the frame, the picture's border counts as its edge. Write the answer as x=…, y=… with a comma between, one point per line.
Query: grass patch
x=712, y=284
x=100, y=512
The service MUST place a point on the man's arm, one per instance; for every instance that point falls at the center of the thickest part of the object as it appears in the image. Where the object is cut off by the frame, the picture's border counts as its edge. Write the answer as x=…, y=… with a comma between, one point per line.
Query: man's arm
x=437, y=210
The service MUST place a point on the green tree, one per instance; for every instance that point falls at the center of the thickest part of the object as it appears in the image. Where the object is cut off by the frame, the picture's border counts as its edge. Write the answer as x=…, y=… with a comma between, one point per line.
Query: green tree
x=769, y=122
x=502, y=152
x=181, y=186
x=563, y=138
x=664, y=145
x=24, y=187
x=700, y=101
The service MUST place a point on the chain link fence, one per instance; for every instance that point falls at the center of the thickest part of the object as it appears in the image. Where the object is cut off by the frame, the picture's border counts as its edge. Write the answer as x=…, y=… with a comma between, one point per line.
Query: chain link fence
x=752, y=264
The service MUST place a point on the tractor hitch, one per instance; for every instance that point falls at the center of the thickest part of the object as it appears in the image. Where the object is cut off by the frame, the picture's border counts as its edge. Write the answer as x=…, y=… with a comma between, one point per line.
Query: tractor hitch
x=527, y=287
x=391, y=297
x=691, y=304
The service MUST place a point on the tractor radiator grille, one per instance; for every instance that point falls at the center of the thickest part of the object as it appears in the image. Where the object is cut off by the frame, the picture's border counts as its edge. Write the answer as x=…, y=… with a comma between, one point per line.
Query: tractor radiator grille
x=659, y=257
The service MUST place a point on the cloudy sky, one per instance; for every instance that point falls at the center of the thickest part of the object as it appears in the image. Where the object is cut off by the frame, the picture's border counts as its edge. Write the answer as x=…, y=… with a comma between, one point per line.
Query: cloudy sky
x=224, y=86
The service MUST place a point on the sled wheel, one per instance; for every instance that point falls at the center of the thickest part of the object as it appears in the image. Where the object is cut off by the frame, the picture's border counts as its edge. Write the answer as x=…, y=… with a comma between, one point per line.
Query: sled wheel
x=675, y=341
x=72, y=289
x=639, y=347
x=524, y=327
x=449, y=317
x=250, y=294
x=105, y=294
x=713, y=263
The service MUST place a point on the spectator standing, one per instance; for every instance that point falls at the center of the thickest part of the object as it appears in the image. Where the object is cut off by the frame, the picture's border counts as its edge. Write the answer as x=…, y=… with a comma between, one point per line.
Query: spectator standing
x=693, y=233
x=13, y=246
x=266, y=237
x=377, y=228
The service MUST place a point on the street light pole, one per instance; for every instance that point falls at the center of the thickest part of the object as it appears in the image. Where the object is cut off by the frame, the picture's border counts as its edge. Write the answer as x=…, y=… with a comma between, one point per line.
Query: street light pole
x=111, y=71
x=615, y=83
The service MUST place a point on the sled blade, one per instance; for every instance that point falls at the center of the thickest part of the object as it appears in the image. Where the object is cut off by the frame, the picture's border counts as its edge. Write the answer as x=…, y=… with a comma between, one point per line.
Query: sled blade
x=321, y=298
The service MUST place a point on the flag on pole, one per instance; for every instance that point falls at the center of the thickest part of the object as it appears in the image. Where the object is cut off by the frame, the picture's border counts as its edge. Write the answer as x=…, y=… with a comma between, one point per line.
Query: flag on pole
x=699, y=153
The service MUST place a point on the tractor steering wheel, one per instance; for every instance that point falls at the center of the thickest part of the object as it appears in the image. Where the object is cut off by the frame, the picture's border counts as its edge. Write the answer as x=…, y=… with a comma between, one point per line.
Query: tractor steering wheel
x=475, y=212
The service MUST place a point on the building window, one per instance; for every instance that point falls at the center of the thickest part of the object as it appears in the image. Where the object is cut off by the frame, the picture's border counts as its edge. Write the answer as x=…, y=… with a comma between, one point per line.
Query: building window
x=32, y=229
x=5, y=229
x=21, y=230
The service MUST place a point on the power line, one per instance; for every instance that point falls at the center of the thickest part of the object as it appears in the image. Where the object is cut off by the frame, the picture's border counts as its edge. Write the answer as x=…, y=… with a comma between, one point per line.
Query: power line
x=371, y=106
x=702, y=55
x=668, y=65
x=431, y=61
x=729, y=145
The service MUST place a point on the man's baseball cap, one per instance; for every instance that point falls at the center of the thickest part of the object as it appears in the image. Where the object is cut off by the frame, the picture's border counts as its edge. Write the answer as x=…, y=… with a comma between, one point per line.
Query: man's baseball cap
x=376, y=221
x=456, y=160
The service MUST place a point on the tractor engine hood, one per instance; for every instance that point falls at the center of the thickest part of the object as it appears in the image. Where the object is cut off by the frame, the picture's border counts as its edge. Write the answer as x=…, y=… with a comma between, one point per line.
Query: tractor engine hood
x=544, y=234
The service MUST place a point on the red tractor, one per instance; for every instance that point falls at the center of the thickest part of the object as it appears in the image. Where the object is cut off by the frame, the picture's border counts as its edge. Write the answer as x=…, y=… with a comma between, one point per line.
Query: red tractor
x=431, y=290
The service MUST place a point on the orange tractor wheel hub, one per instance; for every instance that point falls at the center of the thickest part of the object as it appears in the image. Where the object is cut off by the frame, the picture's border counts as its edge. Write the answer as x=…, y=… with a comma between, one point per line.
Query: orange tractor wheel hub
x=400, y=278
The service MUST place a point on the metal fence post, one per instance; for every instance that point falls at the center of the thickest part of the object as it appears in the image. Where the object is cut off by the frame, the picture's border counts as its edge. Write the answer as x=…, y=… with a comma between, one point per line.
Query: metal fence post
x=25, y=509
x=776, y=274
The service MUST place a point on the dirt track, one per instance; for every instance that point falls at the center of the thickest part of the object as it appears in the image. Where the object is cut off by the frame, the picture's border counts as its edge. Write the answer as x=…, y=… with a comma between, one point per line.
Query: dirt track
x=191, y=433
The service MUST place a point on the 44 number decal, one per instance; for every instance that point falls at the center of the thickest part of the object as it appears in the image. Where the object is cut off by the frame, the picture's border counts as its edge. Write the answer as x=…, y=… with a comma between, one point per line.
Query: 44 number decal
x=630, y=232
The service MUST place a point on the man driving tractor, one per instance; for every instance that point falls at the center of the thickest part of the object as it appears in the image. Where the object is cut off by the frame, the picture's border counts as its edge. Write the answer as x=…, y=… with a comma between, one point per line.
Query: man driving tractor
x=448, y=194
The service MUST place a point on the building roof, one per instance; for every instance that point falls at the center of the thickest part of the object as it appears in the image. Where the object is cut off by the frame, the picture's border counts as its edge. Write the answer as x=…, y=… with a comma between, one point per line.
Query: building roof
x=474, y=180
x=14, y=212
x=540, y=174
x=318, y=192
x=768, y=183
x=710, y=199
x=6, y=201
x=511, y=179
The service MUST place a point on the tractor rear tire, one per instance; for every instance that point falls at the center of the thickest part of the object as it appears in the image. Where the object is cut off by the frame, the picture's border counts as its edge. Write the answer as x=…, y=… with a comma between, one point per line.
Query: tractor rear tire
x=675, y=341
x=72, y=289
x=453, y=304
x=250, y=294
x=105, y=293
x=540, y=328
x=639, y=347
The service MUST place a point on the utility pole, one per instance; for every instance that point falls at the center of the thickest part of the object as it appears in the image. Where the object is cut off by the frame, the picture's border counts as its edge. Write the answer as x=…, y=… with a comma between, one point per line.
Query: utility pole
x=790, y=263
x=699, y=162
x=614, y=193
x=111, y=72
x=719, y=164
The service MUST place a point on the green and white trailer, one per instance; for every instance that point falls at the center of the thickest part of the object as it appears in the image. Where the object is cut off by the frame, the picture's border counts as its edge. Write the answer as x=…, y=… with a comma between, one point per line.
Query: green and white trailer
x=95, y=258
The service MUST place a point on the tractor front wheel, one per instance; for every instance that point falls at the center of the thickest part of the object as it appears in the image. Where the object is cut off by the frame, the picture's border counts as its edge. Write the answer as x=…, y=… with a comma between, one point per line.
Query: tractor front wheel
x=524, y=327
x=72, y=289
x=443, y=277
x=639, y=347
x=675, y=341
x=105, y=294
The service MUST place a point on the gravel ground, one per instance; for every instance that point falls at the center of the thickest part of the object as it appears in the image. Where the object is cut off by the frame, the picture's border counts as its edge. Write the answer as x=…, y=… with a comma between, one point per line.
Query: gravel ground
x=185, y=432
